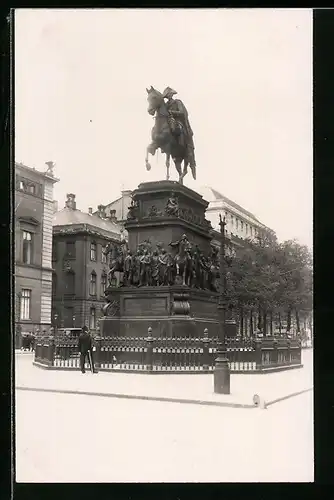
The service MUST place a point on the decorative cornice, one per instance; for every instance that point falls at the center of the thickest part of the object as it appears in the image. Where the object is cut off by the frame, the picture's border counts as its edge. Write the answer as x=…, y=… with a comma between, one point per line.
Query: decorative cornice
x=29, y=220
x=85, y=229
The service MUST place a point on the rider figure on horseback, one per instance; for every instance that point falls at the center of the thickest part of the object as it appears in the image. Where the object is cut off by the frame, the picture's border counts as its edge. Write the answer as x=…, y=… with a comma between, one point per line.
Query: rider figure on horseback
x=179, y=122
x=182, y=257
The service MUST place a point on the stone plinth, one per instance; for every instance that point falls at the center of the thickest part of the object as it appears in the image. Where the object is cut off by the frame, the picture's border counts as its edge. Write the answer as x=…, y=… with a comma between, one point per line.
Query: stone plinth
x=171, y=311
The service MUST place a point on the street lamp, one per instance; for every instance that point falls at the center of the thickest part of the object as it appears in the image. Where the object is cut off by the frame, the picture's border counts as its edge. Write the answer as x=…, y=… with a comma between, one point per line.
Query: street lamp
x=221, y=373
x=73, y=320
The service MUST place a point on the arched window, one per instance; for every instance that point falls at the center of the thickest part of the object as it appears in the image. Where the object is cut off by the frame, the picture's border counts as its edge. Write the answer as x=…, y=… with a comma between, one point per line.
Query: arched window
x=92, y=284
x=93, y=251
x=103, y=283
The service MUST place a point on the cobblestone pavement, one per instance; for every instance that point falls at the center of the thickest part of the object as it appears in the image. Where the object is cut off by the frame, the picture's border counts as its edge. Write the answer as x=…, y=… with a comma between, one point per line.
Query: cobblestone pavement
x=149, y=441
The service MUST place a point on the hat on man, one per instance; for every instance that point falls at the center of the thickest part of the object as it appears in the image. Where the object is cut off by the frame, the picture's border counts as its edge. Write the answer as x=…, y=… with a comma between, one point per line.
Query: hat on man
x=168, y=92
x=85, y=329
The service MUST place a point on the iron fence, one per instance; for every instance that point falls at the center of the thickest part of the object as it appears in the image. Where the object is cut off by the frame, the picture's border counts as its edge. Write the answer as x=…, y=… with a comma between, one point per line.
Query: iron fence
x=178, y=354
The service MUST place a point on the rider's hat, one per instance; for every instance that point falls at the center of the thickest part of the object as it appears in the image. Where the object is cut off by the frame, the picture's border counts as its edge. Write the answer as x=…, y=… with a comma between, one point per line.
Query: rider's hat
x=168, y=92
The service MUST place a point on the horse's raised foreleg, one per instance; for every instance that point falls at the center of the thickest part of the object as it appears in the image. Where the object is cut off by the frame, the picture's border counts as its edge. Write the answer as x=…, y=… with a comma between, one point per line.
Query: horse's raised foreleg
x=151, y=149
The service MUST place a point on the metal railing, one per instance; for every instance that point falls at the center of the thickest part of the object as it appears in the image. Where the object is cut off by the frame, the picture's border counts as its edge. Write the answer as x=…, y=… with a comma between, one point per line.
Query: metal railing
x=170, y=355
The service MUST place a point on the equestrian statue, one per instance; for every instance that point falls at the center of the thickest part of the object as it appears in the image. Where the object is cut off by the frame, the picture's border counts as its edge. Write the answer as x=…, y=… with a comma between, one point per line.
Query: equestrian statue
x=171, y=133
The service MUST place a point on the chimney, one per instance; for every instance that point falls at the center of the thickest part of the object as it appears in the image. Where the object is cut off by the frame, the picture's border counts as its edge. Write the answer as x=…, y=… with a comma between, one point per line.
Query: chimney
x=101, y=211
x=112, y=216
x=90, y=211
x=126, y=192
x=70, y=202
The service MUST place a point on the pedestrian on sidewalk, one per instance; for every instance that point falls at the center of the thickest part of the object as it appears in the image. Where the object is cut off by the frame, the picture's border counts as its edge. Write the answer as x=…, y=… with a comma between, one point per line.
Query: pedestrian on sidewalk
x=86, y=350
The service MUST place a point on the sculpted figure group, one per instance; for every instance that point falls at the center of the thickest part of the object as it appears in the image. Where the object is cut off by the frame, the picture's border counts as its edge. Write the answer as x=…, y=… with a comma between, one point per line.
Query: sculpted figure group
x=150, y=266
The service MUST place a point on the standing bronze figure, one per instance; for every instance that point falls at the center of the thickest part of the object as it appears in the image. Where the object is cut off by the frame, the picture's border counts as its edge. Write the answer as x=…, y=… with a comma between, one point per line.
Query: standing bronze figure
x=172, y=132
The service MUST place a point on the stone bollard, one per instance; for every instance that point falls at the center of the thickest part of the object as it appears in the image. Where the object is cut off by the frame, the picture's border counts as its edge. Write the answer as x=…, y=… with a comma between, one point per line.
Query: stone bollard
x=149, y=353
x=221, y=374
x=206, y=356
x=259, y=402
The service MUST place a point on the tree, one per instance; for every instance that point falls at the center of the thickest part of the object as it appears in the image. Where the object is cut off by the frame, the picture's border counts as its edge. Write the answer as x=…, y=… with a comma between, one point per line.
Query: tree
x=267, y=278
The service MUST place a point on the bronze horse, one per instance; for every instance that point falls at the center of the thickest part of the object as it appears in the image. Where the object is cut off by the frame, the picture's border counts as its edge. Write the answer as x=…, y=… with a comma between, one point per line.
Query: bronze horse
x=116, y=261
x=163, y=138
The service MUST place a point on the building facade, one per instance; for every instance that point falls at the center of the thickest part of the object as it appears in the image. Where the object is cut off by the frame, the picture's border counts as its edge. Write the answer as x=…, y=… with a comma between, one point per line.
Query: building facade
x=80, y=266
x=240, y=224
x=33, y=248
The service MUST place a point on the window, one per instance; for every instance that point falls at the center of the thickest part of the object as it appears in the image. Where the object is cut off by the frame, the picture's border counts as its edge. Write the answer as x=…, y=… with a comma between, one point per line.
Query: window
x=27, y=247
x=246, y=228
x=103, y=283
x=25, y=304
x=103, y=255
x=92, y=318
x=242, y=225
x=54, y=285
x=70, y=249
x=232, y=220
x=70, y=283
x=93, y=251
x=237, y=223
x=21, y=185
x=31, y=189
x=251, y=230
x=92, y=284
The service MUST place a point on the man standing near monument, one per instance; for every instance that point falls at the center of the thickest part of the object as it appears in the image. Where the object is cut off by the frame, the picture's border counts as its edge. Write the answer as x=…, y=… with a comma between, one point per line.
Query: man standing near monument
x=179, y=123
x=86, y=350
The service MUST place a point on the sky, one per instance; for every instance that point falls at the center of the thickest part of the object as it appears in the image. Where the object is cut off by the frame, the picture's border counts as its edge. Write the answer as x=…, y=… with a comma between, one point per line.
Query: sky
x=245, y=77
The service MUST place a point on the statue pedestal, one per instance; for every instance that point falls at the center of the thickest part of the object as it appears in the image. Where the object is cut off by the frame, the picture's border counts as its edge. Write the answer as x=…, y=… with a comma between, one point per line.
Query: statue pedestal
x=163, y=212
x=153, y=221
x=171, y=311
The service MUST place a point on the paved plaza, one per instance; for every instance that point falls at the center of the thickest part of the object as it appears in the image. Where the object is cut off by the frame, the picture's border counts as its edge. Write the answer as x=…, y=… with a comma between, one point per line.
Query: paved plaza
x=187, y=388
x=132, y=440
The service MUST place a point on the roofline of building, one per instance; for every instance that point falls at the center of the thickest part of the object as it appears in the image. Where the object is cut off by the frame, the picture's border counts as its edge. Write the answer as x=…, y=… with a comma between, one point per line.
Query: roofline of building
x=37, y=172
x=85, y=228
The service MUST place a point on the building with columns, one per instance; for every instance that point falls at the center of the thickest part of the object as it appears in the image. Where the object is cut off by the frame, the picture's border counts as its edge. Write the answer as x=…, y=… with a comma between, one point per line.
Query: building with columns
x=33, y=247
x=80, y=266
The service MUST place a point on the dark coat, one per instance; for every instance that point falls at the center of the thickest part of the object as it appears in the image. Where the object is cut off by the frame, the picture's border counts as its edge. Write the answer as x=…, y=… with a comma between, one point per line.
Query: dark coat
x=85, y=342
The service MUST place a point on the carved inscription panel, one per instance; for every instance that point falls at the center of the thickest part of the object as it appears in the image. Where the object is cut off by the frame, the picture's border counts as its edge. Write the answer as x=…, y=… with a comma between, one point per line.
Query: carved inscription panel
x=144, y=306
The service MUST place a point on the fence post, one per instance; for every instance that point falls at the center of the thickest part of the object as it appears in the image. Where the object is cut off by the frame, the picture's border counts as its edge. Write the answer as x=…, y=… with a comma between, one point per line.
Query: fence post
x=97, y=352
x=51, y=353
x=149, y=353
x=288, y=352
x=258, y=354
x=275, y=353
x=206, y=358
